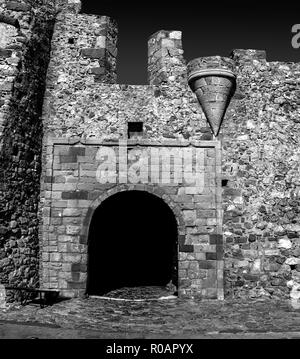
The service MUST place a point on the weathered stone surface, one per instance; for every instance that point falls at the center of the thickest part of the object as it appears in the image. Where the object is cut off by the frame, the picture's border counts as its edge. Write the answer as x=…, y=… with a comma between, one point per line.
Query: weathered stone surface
x=20, y=137
x=93, y=53
x=17, y=6
x=284, y=243
x=182, y=318
x=2, y=297
x=214, y=87
x=292, y=261
x=260, y=159
x=5, y=53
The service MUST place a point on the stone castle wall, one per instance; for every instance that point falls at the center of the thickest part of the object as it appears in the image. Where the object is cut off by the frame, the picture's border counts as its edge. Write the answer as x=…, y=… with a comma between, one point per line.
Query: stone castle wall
x=260, y=145
x=15, y=22
x=82, y=107
x=24, y=57
x=81, y=103
x=261, y=163
x=72, y=191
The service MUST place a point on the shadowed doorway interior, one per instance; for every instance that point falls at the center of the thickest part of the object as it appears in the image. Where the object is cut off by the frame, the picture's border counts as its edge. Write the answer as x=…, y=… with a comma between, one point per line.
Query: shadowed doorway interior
x=132, y=243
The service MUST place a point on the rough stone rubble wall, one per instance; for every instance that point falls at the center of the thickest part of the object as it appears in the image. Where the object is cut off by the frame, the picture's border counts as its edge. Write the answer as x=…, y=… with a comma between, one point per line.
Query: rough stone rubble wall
x=261, y=156
x=79, y=104
x=15, y=19
x=24, y=56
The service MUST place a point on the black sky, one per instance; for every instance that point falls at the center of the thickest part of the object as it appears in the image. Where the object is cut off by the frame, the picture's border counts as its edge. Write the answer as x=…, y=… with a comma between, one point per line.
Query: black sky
x=208, y=28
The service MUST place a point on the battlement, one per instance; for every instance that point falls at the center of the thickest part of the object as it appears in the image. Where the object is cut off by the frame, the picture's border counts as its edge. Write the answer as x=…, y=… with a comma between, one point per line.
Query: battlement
x=239, y=55
x=72, y=6
x=165, y=57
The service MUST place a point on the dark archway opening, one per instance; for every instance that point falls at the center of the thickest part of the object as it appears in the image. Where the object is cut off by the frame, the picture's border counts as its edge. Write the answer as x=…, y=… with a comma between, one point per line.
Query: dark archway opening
x=132, y=243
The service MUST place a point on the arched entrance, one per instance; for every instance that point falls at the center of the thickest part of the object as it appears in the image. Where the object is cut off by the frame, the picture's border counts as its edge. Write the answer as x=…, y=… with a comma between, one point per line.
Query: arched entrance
x=132, y=242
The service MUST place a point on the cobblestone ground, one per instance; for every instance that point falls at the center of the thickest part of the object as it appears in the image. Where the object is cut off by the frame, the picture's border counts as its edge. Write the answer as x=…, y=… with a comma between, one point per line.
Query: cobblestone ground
x=164, y=318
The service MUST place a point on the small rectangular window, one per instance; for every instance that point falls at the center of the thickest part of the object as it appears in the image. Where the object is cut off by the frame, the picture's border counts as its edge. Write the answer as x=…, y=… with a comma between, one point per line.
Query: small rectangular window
x=135, y=130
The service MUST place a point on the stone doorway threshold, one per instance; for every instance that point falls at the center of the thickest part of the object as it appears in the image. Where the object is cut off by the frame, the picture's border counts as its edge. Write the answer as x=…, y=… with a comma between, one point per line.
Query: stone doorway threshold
x=138, y=294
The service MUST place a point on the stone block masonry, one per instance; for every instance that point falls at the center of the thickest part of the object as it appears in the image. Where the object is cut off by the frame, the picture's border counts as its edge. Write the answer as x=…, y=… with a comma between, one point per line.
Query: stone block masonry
x=75, y=193
x=166, y=63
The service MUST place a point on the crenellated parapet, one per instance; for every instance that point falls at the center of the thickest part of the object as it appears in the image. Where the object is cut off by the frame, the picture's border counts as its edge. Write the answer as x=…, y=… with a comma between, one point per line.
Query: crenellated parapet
x=71, y=6
x=241, y=56
x=165, y=57
x=84, y=49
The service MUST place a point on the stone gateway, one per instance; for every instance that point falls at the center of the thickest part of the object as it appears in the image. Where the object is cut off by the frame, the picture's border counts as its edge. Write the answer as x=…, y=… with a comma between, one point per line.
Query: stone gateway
x=192, y=179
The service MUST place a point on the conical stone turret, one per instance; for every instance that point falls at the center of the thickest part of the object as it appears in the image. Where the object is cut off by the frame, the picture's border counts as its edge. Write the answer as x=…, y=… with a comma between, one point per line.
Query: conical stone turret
x=214, y=82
